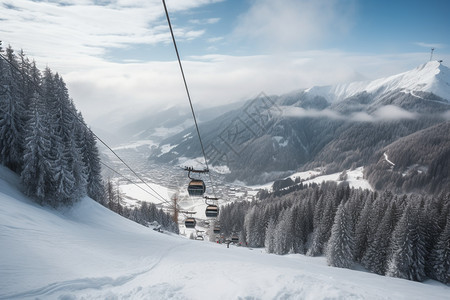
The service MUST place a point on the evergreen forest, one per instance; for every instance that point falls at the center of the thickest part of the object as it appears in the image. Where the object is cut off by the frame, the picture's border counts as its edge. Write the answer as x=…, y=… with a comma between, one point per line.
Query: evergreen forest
x=45, y=140
x=405, y=236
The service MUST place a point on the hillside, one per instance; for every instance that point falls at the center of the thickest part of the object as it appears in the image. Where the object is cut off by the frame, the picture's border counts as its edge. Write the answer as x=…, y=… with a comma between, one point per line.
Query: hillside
x=335, y=127
x=88, y=252
x=418, y=162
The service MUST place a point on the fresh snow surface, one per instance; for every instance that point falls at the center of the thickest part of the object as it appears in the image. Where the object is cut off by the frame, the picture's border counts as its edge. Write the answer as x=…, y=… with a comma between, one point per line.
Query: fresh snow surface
x=135, y=145
x=431, y=77
x=355, y=179
x=141, y=192
x=88, y=252
x=166, y=148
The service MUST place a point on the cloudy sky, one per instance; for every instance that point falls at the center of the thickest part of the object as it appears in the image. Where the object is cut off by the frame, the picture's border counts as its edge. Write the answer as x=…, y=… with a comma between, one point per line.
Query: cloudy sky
x=118, y=60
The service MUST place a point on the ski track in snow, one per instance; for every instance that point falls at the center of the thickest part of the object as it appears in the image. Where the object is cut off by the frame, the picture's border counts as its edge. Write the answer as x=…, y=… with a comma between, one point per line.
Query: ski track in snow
x=78, y=285
x=73, y=285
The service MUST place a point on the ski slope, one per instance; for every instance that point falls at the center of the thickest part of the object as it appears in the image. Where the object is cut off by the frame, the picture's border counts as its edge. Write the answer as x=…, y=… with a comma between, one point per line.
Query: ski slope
x=88, y=252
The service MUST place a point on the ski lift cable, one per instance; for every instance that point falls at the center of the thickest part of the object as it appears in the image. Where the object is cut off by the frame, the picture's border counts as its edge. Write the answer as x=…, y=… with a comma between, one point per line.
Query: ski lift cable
x=188, y=94
x=131, y=181
x=135, y=174
x=99, y=139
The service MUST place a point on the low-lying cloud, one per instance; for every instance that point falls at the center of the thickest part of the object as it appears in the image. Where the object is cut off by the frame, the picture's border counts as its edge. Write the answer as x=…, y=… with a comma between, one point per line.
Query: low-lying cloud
x=382, y=114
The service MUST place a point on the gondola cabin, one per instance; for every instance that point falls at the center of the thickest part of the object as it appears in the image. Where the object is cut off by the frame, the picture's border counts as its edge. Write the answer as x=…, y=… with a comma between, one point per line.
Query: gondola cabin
x=212, y=211
x=196, y=188
x=190, y=222
x=216, y=230
x=235, y=239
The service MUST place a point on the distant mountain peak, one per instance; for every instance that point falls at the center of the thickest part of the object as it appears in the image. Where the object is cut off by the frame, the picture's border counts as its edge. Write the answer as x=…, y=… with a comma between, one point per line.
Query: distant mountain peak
x=432, y=77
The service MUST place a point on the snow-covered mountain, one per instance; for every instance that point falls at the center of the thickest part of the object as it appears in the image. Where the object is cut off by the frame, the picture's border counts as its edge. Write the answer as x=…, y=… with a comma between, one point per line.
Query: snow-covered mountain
x=335, y=127
x=88, y=252
x=432, y=77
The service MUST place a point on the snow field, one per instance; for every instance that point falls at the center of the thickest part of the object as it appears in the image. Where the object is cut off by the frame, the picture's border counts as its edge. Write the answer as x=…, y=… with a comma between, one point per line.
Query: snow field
x=355, y=179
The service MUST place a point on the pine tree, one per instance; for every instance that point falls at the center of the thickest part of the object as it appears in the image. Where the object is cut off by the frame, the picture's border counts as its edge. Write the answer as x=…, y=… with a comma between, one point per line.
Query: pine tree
x=322, y=231
x=362, y=229
x=36, y=173
x=408, y=247
x=110, y=195
x=440, y=256
x=300, y=220
x=341, y=246
x=283, y=233
x=254, y=227
x=269, y=239
x=375, y=257
x=12, y=113
x=91, y=159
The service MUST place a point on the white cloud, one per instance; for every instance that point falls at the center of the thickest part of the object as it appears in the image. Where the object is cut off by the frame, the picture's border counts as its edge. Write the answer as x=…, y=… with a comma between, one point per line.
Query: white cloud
x=204, y=21
x=385, y=113
x=446, y=115
x=84, y=30
x=294, y=24
x=392, y=113
x=299, y=112
x=430, y=45
x=215, y=39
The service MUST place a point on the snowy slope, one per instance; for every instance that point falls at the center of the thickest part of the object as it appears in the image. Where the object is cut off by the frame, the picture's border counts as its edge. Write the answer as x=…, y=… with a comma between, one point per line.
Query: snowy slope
x=88, y=252
x=355, y=179
x=431, y=77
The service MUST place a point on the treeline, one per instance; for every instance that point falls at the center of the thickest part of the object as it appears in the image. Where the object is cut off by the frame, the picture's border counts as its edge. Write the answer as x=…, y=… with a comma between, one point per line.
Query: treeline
x=146, y=214
x=401, y=236
x=43, y=137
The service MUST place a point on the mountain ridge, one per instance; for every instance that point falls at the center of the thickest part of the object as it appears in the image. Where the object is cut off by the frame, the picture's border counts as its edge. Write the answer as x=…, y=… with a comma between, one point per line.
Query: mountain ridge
x=432, y=77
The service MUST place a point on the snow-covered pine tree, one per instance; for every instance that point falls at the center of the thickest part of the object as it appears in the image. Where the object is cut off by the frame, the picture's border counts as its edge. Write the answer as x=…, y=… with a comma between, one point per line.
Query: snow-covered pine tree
x=440, y=256
x=362, y=228
x=91, y=159
x=341, y=245
x=437, y=210
x=12, y=113
x=26, y=85
x=269, y=242
x=408, y=247
x=375, y=257
x=110, y=194
x=300, y=220
x=283, y=233
x=61, y=126
x=322, y=231
x=79, y=166
x=255, y=227
x=36, y=173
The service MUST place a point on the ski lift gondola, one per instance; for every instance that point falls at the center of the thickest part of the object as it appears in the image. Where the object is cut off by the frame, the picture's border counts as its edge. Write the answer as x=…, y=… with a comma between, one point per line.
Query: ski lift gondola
x=196, y=187
x=235, y=239
x=216, y=229
x=190, y=222
x=212, y=210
